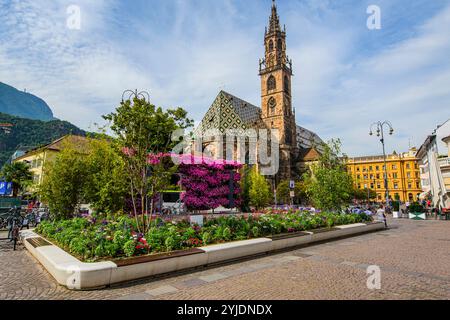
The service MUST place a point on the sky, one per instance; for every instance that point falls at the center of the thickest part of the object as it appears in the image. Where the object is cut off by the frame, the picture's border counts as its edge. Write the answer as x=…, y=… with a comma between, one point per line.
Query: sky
x=183, y=52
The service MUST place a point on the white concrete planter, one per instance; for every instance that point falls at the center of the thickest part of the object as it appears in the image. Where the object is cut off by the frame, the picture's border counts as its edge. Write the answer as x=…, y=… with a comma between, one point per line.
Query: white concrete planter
x=74, y=274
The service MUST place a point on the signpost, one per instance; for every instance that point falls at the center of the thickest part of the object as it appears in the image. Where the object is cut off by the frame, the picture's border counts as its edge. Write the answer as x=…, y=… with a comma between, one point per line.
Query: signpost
x=292, y=193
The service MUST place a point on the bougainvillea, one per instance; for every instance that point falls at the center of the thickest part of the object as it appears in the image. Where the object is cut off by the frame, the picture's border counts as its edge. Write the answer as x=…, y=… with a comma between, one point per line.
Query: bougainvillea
x=208, y=183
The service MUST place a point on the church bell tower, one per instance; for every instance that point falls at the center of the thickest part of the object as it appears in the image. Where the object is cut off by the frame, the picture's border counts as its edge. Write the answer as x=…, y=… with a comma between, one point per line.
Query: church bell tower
x=275, y=71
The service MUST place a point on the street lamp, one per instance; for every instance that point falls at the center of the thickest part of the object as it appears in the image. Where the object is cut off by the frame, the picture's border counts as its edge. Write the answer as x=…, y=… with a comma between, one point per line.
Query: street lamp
x=380, y=126
x=135, y=94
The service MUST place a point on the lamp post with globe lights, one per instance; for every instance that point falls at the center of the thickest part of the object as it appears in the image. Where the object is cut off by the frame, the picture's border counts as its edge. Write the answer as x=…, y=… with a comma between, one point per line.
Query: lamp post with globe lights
x=380, y=126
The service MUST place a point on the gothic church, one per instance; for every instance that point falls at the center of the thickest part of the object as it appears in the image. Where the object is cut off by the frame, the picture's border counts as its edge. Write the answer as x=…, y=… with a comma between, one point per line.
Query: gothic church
x=297, y=145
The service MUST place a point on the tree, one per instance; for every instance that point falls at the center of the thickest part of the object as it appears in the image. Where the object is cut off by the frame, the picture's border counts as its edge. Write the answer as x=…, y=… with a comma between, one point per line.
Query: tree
x=144, y=134
x=259, y=190
x=105, y=183
x=364, y=194
x=19, y=174
x=64, y=181
x=328, y=184
x=284, y=192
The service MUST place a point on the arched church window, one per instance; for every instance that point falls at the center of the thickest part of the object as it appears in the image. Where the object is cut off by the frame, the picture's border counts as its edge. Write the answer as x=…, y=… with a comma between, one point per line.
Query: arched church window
x=286, y=84
x=271, y=83
x=270, y=45
x=272, y=104
x=280, y=44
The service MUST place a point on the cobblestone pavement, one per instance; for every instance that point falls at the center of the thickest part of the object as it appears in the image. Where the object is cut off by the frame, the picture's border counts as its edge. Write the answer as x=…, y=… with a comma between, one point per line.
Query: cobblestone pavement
x=414, y=258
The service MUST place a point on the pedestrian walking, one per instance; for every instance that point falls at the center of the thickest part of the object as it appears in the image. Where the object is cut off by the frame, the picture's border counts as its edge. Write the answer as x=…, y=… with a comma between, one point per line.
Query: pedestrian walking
x=381, y=215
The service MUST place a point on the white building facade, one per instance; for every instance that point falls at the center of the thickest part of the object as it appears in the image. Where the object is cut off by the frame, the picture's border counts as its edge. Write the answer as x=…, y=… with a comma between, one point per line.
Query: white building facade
x=435, y=166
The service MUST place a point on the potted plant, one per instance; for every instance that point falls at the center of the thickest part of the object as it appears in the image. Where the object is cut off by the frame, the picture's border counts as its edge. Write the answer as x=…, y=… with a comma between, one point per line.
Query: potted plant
x=396, y=209
x=416, y=211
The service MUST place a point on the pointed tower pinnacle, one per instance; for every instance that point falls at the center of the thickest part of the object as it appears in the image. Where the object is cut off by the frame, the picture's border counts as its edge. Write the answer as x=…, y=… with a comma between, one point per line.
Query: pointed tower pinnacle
x=274, y=24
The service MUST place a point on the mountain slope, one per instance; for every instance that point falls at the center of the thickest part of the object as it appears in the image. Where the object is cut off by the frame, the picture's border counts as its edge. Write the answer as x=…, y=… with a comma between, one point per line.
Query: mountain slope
x=27, y=132
x=23, y=104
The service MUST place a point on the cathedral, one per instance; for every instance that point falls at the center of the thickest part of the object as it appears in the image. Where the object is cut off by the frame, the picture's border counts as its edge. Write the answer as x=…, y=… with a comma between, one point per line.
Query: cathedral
x=297, y=145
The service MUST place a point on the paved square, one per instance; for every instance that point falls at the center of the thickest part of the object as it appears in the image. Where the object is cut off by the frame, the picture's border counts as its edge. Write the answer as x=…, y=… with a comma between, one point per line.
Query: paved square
x=413, y=257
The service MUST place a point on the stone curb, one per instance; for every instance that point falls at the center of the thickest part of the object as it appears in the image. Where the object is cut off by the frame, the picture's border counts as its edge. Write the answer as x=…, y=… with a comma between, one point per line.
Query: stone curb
x=76, y=275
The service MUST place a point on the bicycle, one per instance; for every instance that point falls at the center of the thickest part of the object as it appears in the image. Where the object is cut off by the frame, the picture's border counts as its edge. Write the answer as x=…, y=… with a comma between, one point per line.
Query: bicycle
x=14, y=222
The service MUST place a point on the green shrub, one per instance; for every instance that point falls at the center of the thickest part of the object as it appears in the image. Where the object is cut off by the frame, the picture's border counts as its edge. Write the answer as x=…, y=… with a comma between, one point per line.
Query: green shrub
x=93, y=240
x=129, y=248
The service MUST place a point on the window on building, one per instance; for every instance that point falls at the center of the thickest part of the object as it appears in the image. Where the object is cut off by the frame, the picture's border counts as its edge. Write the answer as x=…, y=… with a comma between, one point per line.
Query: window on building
x=377, y=168
x=408, y=166
x=370, y=168
x=286, y=84
x=271, y=83
x=395, y=175
x=378, y=186
x=408, y=175
x=395, y=185
x=378, y=176
x=417, y=185
x=394, y=167
x=36, y=178
x=409, y=185
x=270, y=45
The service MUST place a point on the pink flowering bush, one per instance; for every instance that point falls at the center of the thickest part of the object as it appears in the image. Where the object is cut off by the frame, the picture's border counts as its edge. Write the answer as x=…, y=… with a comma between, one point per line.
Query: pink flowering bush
x=207, y=183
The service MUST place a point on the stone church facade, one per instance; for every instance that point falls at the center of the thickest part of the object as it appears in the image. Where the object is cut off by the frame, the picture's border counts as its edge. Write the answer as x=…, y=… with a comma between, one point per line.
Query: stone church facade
x=297, y=145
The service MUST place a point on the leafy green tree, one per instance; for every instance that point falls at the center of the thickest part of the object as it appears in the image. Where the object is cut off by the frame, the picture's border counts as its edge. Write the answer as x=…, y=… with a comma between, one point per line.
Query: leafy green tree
x=64, y=181
x=259, y=190
x=284, y=192
x=328, y=184
x=105, y=184
x=143, y=132
x=364, y=194
x=19, y=174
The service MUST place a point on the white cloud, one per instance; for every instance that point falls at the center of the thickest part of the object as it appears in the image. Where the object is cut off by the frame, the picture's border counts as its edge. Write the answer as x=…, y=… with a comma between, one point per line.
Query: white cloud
x=196, y=48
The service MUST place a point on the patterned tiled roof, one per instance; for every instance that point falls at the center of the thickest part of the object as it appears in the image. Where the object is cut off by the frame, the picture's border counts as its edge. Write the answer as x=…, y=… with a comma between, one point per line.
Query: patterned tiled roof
x=307, y=139
x=229, y=112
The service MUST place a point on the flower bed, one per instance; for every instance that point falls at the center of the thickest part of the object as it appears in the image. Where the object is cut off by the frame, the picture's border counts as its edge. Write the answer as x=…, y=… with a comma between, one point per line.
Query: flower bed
x=92, y=239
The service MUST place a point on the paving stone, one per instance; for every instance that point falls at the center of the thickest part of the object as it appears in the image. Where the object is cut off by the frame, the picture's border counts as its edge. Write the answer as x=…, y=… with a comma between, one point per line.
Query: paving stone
x=213, y=277
x=349, y=263
x=136, y=296
x=161, y=290
x=195, y=282
x=302, y=255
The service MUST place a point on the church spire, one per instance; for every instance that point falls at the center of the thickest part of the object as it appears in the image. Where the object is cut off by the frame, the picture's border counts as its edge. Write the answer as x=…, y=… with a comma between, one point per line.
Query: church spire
x=274, y=23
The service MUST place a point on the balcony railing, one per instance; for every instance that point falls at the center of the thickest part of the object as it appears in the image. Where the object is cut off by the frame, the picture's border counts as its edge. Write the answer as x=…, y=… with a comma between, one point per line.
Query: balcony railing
x=443, y=162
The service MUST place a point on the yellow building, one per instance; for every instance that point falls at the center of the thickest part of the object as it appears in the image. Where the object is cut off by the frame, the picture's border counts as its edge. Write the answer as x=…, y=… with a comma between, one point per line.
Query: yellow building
x=38, y=157
x=402, y=171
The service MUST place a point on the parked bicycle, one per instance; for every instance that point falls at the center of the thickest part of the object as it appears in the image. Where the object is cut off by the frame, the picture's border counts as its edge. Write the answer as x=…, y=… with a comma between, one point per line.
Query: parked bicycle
x=15, y=222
